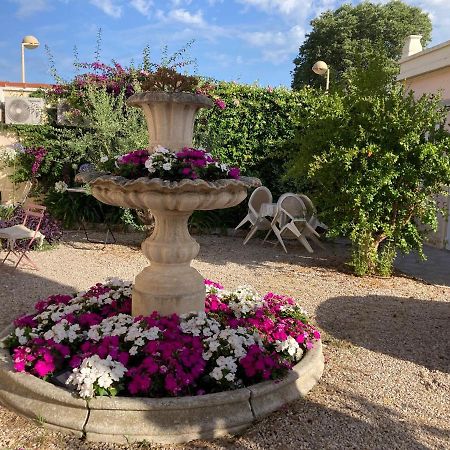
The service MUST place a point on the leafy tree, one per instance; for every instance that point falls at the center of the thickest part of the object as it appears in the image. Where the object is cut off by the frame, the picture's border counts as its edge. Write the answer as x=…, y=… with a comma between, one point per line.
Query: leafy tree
x=377, y=157
x=346, y=37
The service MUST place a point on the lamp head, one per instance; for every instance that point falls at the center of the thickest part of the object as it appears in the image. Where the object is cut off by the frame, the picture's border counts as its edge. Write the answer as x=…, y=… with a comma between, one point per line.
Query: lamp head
x=320, y=67
x=30, y=42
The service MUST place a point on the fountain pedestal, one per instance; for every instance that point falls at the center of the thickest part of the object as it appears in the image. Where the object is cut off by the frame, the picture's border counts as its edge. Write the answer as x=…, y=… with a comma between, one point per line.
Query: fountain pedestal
x=170, y=283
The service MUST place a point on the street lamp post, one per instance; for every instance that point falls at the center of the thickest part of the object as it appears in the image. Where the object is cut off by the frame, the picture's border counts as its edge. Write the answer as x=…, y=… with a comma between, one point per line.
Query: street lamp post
x=29, y=42
x=321, y=68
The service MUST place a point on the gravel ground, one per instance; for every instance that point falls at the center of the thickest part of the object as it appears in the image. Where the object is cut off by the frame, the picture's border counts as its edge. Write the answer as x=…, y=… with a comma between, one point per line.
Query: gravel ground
x=387, y=344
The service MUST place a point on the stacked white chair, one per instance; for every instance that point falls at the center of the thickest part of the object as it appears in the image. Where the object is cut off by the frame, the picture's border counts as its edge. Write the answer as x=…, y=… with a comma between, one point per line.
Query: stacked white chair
x=292, y=217
x=258, y=222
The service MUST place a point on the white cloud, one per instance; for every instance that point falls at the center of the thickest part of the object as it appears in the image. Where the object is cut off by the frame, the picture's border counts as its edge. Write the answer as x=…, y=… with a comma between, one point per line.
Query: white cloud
x=282, y=6
x=142, y=6
x=186, y=17
x=28, y=8
x=108, y=7
x=177, y=3
x=277, y=46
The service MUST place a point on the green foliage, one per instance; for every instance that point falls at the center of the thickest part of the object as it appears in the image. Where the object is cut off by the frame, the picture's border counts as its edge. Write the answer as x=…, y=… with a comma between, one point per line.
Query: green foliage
x=59, y=160
x=251, y=132
x=72, y=208
x=6, y=212
x=375, y=157
x=113, y=129
x=347, y=37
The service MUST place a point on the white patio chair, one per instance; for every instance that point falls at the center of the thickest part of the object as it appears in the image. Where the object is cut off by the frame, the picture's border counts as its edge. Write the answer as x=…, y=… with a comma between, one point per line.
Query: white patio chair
x=258, y=222
x=312, y=212
x=313, y=221
x=291, y=217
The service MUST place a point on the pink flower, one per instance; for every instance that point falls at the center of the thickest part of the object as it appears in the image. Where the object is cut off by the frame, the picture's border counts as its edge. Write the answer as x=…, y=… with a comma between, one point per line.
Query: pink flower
x=140, y=383
x=213, y=283
x=25, y=321
x=170, y=383
x=220, y=103
x=43, y=368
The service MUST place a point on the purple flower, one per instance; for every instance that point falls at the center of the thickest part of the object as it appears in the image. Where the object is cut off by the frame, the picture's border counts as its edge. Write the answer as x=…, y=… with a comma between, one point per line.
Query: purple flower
x=25, y=321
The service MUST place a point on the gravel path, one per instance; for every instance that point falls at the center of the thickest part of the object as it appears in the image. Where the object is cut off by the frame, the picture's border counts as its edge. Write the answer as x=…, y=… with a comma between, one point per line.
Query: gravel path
x=387, y=344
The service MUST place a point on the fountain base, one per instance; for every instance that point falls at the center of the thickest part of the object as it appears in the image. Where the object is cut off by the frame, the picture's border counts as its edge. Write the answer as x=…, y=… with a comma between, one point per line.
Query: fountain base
x=168, y=288
x=124, y=420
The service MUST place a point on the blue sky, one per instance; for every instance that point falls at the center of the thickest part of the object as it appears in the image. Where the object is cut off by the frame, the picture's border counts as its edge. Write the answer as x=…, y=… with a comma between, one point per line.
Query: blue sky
x=241, y=40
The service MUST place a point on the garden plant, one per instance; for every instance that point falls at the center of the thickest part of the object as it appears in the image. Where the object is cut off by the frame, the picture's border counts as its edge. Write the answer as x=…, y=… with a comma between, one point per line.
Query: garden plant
x=376, y=157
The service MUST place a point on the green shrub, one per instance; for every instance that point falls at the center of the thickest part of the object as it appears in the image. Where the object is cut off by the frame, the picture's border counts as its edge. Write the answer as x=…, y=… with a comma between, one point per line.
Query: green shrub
x=375, y=157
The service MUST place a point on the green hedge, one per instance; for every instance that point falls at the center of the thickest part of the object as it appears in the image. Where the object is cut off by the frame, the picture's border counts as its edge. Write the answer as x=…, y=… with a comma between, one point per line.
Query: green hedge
x=254, y=129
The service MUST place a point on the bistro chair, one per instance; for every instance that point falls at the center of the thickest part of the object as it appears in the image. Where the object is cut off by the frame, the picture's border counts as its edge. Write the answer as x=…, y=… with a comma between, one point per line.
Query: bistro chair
x=313, y=221
x=28, y=230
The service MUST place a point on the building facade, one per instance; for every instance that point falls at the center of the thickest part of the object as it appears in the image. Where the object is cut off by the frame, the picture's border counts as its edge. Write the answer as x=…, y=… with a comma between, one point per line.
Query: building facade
x=424, y=72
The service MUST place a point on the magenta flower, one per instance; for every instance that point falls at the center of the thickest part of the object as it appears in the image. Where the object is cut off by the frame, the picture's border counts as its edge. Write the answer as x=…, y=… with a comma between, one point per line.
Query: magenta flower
x=234, y=172
x=43, y=368
x=220, y=103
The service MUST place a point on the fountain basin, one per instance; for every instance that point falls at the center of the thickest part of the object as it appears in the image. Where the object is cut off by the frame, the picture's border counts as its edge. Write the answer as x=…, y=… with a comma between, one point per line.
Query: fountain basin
x=157, y=194
x=161, y=420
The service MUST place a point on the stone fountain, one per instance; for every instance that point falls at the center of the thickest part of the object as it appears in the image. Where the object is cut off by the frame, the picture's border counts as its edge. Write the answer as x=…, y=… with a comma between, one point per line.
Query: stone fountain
x=169, y=285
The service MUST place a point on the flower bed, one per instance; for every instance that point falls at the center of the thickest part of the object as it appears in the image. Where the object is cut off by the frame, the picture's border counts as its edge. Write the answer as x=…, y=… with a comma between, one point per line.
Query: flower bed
x=189, y=163
x=240, y=340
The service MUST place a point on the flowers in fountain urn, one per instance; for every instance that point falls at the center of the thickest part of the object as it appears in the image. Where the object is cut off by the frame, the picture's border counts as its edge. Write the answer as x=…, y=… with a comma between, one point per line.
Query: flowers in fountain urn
x=189, y=163
x=242, y=338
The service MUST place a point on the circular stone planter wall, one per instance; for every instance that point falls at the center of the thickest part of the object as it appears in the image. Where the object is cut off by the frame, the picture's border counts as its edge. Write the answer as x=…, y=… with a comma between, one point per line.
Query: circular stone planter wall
x=162, y=420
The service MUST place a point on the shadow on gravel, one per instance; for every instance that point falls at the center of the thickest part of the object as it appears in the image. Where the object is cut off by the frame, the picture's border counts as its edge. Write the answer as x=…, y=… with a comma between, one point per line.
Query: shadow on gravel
x=359, y=424
x=220, y=250
x=405, y=328
x=21, y=288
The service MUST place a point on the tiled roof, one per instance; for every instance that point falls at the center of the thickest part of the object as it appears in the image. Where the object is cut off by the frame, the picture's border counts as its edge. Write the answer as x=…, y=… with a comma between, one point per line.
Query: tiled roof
x=15, y=84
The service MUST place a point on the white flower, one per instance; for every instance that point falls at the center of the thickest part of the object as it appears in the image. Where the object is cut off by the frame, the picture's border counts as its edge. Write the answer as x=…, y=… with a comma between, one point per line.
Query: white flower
x=161, y=149
x=62, y=331
x=216, y=373
x=20, y=334
x=167, y=166
x=94, y=372
x=103, y=158
x=291, y=346
x=230, y=376
x=7, y=154
x=149, y=165
x=60, y=186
